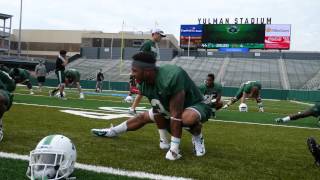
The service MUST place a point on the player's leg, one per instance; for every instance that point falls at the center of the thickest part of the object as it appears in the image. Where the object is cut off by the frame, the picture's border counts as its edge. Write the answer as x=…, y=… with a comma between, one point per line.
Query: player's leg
x=29, y=86
x=193, y=117
x=163, y=125
x=80, y=90
x=313, y=111
x=132, y=124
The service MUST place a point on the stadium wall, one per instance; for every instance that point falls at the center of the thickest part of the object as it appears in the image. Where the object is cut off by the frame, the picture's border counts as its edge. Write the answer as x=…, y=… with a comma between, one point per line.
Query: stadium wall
x=298, y=95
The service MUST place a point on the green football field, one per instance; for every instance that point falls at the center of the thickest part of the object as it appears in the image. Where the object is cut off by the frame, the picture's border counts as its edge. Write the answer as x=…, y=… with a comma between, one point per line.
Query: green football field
x=239, y=145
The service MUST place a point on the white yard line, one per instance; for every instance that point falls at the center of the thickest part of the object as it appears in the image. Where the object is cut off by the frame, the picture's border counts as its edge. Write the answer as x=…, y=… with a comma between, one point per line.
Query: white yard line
x=298, y=102
x=261, y=124
x=102, y=169
x=213, y=120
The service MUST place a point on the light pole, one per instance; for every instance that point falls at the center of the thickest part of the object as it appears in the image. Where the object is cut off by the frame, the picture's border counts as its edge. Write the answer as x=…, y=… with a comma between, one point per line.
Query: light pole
x=19, y=43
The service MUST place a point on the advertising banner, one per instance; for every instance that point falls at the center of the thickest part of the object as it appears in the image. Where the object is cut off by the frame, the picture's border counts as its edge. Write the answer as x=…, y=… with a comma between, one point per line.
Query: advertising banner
x=277, y=36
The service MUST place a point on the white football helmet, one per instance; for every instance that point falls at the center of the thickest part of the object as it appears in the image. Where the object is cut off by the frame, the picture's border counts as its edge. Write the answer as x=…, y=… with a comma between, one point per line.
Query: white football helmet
x=243, y=107
x=53, y=158
x=128, y=99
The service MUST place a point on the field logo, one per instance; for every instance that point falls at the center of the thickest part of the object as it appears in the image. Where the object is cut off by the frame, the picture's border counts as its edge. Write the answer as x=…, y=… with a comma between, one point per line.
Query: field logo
x=109, y=114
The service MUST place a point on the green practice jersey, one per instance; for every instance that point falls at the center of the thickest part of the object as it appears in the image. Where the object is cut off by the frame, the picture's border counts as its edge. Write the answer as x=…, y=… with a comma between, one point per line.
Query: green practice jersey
x=170, y=79
x=214, y=90
x=247, y=87
x=152, y=48
x=6, y=82
x=72, y=74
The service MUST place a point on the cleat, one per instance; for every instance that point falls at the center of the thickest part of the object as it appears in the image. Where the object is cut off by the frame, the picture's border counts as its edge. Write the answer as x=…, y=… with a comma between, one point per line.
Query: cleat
x=31, y=93
x=106, y=132
x=171, y=155
x=198, y=146
x=164, y=145
x=278, y=120
x=314, y=150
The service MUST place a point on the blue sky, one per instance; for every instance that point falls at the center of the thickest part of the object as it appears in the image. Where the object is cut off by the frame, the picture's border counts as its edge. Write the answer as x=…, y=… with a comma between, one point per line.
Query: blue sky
x=143, y=15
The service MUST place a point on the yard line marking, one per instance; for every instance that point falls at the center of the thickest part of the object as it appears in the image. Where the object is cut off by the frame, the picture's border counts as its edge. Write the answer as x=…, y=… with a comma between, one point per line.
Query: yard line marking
x=298, y=102
x=261, y=124
x=102, y=169
x=212, y=120
x=86, y=99
x=61, y=107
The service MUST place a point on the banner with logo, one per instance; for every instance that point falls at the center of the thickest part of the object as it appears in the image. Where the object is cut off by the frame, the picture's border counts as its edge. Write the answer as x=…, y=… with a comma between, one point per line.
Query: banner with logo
x=277, y=36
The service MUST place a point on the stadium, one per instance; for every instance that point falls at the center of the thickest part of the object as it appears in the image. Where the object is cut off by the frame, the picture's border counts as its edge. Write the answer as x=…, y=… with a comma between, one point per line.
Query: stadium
x=239, y=144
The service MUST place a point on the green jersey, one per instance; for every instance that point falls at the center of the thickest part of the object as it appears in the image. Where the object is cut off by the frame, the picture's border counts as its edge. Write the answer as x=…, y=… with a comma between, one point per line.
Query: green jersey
x=170, y=79
x=152, y=48
x=72, y=74
x=215, y=90
x=247, y=87
x=6, y=82
x=7, y=86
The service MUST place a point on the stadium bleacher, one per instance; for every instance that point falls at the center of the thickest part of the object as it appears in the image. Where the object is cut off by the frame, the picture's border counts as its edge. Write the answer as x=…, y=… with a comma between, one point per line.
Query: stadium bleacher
x=300, y=74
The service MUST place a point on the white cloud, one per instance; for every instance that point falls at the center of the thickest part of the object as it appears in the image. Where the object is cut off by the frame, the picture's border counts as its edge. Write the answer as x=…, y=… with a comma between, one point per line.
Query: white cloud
x=141, y=15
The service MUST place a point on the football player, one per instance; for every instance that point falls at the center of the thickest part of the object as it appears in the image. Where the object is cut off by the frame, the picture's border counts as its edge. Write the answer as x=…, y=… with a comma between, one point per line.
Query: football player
x=7, y=86
x=21, y=76
x=313, y=111
x=72, y=78
x=249, y=89
x=176, y=103
x=212, y=93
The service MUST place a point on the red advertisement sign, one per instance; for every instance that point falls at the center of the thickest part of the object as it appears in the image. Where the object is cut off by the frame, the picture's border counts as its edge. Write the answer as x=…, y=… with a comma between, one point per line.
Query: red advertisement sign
x=277, y=42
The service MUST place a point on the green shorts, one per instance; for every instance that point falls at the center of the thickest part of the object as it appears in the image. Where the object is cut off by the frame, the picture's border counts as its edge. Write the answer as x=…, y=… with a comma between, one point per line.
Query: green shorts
x=203, y=110
x=316, y=109
x=8, y=98
x=60, y=76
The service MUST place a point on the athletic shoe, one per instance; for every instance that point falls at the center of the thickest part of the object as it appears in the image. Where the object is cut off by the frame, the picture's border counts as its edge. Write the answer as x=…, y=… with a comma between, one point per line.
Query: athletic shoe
x=278, y=120
x=171, y=155
x=1, y=133
x=31, y=93
x=164, y=145
x=314, y=150
x=198, y=146
x=81, y=96
x=106, y=132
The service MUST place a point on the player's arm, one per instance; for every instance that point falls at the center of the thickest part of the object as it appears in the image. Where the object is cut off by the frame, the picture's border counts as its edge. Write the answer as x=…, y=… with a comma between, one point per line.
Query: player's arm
x=176, y=110
x=65, y=62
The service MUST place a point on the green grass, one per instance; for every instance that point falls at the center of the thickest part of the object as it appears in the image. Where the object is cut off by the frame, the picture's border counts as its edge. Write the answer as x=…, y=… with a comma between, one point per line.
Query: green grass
x=234, y=151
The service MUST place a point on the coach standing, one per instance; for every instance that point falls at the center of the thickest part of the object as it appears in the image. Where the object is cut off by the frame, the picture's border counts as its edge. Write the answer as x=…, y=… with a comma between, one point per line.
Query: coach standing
x=61, y=62
x=41, y=72
x=150, y=47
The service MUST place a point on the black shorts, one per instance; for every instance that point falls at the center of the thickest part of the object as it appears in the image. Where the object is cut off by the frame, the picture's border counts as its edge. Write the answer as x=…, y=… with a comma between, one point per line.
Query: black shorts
x=41, y=79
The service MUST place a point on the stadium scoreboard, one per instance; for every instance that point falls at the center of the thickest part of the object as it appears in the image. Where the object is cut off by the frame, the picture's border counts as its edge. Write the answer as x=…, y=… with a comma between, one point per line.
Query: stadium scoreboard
x=252, y=36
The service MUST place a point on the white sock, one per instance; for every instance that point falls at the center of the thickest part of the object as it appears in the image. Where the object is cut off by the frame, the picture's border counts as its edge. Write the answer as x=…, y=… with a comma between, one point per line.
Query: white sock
x=163, y=135
x=175, y=143
x=121, y=128
x=197, y=136
x=286, y=119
